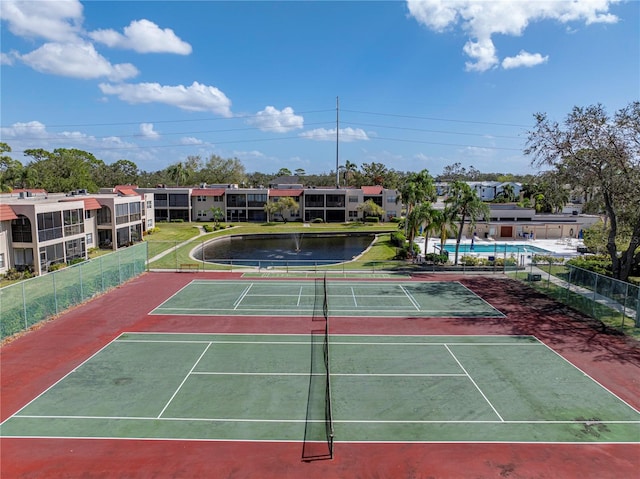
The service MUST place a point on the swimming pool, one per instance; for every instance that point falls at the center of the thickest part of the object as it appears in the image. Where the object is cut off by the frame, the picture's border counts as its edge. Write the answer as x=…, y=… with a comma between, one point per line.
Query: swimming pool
x=497, y=248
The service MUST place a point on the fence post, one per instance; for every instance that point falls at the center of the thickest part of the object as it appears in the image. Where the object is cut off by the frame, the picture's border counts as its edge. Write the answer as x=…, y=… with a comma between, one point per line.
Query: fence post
x=595, y=292
x=24, y=306
x=568, y=284
x=55, y=293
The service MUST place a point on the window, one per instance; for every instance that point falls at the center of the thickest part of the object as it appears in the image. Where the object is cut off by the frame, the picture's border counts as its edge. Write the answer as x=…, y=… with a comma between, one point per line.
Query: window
x=75, y=249
x=122, y=214
x=149, y=223
x=87, y=214
x=160, y=199
x=21, y=230
x=353, y=214
x=2, y=263
x=178, y=200
x=135, y=210
x=51, y=254
x=236, y=200
x=314, y=200
x=335, y=201
x=89, y=238
x=104, y=216
x=49, y=225
x=256, y=199
x=149, y=204
x=391, y=199
x=73, y=222
x=353, y=199
x=201, y=198
x=202, y=213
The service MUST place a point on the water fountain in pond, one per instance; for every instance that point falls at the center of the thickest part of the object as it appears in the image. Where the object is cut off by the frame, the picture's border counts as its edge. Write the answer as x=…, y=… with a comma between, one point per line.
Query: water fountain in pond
x=297, y=241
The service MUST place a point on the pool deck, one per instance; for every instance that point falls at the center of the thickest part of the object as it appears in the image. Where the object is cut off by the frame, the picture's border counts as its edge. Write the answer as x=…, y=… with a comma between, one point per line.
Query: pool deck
x=558, y=247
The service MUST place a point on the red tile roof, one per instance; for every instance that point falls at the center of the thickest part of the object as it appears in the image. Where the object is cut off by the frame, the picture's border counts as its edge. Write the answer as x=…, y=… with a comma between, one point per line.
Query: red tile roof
x=372, y=190
x=126, y=191
x=207, y=192
x=292, y=193
x=89, y=203
x=7, y=213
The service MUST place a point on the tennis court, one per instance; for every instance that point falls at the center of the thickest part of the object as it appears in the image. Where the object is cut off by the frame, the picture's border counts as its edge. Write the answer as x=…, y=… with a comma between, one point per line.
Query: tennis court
x=228, y=387
x=346, y=298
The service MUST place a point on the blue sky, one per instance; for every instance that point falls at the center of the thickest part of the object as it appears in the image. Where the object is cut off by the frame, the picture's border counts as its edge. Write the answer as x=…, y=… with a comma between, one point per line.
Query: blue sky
x=421, y=84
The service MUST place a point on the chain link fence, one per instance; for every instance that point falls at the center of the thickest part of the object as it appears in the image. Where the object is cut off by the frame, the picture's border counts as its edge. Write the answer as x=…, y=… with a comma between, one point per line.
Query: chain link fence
x=25, y=304
x=613, y=302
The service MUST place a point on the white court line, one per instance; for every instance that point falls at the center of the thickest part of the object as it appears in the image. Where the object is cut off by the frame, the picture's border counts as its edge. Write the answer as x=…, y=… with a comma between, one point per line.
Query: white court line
x=411, y=298
x=345, y=421
x=184, y=380
x=481, y=299
x=474, y=383
x=588, y=376
x=239, y=300
x=299, y=296
x=355, y=300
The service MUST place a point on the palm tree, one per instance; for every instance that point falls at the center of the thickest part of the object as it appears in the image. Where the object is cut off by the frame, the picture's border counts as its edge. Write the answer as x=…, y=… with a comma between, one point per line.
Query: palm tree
x=418, y=188
x=178, y=173
x=286, y=204
x=349, y=170
x=464, y=203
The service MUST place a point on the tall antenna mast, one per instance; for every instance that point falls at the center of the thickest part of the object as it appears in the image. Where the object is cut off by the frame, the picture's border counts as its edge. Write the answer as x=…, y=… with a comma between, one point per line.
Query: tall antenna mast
x=337, y=141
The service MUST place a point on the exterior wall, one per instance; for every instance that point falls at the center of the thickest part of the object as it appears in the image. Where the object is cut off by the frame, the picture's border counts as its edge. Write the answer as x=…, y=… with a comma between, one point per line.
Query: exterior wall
x=5, y=246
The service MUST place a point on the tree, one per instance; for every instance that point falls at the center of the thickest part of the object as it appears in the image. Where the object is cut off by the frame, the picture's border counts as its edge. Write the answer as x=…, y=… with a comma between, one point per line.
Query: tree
x=284, y=172
x=218, y=170
x=270, y=208
x=63, y=169
x=300, y=172
x=217, y=213
x=463, y=203
x=10, y=169
x=370, y=208
x=286, y=204
x=593, y=148
x=178, y=173
x=506, y=195
x=418, y=188
x=348, y=171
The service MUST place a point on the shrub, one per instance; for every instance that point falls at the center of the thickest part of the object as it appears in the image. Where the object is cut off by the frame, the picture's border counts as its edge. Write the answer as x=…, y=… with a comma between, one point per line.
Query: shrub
x=208, y=228
x=398, y=239
x=318, y=220
x=372, y=219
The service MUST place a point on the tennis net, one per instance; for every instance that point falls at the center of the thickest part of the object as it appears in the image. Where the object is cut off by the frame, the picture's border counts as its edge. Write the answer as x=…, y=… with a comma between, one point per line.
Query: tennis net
x=318, y=435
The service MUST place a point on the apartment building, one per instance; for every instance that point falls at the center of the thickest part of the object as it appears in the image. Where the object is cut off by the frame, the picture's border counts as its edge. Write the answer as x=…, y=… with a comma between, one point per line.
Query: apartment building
x=331, y=205
x=38, y=230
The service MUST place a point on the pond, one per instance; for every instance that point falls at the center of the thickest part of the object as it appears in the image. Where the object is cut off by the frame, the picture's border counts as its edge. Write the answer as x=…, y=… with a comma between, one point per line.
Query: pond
x=285, y=249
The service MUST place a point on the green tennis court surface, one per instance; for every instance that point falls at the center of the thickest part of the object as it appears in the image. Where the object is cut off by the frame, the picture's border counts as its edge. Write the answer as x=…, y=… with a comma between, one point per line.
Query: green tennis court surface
x=383, y=388
x=346, y=298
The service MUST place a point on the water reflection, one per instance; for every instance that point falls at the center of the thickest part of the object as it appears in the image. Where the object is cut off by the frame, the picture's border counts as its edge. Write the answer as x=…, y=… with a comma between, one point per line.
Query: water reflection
x=285, y=248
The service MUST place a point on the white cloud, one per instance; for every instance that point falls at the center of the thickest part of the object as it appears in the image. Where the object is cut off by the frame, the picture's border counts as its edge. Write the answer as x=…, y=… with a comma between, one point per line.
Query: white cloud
x=6, y=58
x=147, y=131
x=77, y=60
x=190, y=140
x=271, y=119
x=524, y=59
x=345, y=135
x=31, y=129
x=143, y=36
x=57, y=21
x=196, y=97
x=34, y=134
x=481, y=20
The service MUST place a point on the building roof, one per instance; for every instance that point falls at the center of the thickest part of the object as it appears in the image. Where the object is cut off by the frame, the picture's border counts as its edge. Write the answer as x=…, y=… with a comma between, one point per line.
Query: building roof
x=208, y=191
x=126, y=190
x=372, y=190
x=7, y=213
x=89, y=203
x=283, y=193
